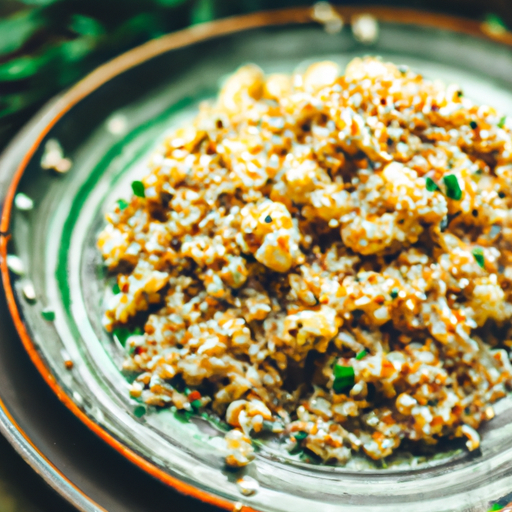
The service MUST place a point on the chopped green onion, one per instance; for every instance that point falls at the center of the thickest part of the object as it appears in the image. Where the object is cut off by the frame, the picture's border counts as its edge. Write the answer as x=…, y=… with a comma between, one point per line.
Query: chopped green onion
x=116, y=289
x=268, y=219
x=196, y=404
x=122, y=204
x=48, y=315
x=121, y=334
x=453, y=190
x=344, y=378
x=478, y=253
x=479, y=171
x=300, y=435
x=431, y=185
x=394, y=293
x=139, y=411
x=502, y=122
x=496, y=507
x=473, y=124
x=361, y=354
x=138, y=188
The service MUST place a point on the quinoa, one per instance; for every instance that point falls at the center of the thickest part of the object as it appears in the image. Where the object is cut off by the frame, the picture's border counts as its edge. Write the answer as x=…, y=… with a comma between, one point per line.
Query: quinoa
x=325, y=258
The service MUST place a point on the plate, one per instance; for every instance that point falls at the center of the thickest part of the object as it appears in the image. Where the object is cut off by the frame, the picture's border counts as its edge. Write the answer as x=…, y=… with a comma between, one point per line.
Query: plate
x=105, y=128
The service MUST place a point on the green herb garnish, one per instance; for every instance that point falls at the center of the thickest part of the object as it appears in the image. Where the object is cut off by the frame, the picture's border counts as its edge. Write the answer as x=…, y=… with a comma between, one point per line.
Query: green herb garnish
x=122, y=204
x=453, y=190
x=196, y=404
x=182, y=415
x=139, y=411
x=268, y=219
x=394, y=293
x=478, y=253
x=300, y=435
x=473, y=124
x=344, y=378
x=121, y=334
x=138, y=188
x=116, y=289
x=48, y=315
x=361, y=354
x=502, y=122
x=431, y=185
x=496, y=507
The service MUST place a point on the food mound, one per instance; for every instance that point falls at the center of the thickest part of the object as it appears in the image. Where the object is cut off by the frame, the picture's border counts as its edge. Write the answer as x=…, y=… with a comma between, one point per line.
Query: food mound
x=322, y=259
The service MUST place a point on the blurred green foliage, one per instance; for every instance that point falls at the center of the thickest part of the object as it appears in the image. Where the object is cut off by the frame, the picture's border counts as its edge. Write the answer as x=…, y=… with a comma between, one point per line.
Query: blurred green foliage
x=46, y=45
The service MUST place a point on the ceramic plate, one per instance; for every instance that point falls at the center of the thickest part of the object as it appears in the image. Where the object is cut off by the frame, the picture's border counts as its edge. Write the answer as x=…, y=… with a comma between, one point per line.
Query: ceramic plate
x=107, y=126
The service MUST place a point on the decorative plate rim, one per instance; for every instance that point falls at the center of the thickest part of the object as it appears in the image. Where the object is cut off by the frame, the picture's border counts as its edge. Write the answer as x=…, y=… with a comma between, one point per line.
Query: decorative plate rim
x=57, y=109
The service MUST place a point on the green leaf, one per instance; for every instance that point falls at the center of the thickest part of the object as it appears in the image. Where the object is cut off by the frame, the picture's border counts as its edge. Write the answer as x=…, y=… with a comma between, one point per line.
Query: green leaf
x=137, y=28
x=86, y=26
x=20, y=68
x=170, y=3
x=495, y=507
x=394, y=293
x=202, y=11
x=39, y=2
x=431, y=185
x=300, y=435
x=478, y=254
x=138, y=188
x=453, y=190
x=344, y=378
x=17, y=30
x=361, y=354
x=116, y=289
x=75, y=50
x=502, y=121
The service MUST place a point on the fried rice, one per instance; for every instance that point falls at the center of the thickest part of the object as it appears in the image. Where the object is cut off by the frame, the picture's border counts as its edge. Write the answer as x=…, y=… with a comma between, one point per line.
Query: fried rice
x=324, y=258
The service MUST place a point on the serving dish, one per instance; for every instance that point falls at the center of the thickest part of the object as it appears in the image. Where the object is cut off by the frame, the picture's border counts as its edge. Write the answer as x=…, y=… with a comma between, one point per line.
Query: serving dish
x=106, y=126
